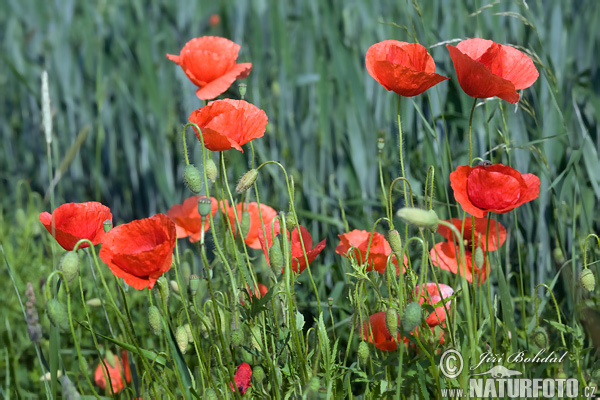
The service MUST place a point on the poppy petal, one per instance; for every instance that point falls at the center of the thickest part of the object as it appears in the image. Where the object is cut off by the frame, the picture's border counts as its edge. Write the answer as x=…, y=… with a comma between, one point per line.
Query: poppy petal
x=405, y=81
x=458, y=182
x=221, y=84
x=443, y=256
x=375, y=331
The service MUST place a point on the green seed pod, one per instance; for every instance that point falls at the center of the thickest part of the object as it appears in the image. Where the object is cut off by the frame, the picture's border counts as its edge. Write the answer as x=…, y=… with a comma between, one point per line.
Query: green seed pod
x=539, y=336
x=107, y=225
x=363, y=353
x=380, y=144
x=155, y=320
x=181, y=337
x=587, y=280
x=393, y=238
x=391, y=321
x=242, y=88
x=188, y=332
x=258, y=374
x=194, y=284
x=210, y=394
x=57, y=313
x=290, y=221
x=69, y=265
x=192, y=178
x=211, y=170
x=245, y=223
x=411, y=317
x=276, y=256
x=246, y=181
x=479, y=257
x=421, y=218
x=237, y=337
x=314, y=385
x=330, y=301
x=163, y=287
x=204, y=207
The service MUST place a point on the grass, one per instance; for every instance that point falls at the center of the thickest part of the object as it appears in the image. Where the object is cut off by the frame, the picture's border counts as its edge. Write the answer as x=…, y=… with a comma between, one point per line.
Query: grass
x=118, y=106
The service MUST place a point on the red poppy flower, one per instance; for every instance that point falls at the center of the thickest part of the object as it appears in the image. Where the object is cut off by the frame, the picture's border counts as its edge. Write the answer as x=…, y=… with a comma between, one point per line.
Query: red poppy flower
x=229, y=124
x=379, y=250
x=267, y=213
x=445, y=255
x=187, y=219
x=405, y=68
x=242, y=377
x=432, y=297
x=487, y=69
x=115, y=374
x=140, y=251
x=76, y=221
x=298, y=260
x=259, y=292
x=496, y=188
x=381, y=337
x=210, y=63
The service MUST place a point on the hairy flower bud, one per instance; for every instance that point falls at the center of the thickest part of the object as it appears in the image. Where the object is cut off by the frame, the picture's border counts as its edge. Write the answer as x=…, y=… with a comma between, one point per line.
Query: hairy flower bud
x=188, y=332
x=411, y=317
x=427, y=219
x=154, y=320
x=479, y=257
x=181, y=337
x=237, y=337
x=245, y=223
x=210, y=394
x=363, y=353
x=211, y=170
x=391, y=321
x=192, y=178
x=57, y=313
x=291, y=222
x=246, y=181
x=393, y=238
x=95, y=302
x=69, y=265
x=174, y=286
x=539, y=336
x=276, y=256
x=587, y=280
x=163, y=287
x=258, y=374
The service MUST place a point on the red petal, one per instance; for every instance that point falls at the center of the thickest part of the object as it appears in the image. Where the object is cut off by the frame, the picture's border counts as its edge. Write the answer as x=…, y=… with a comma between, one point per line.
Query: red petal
x=496, y=188
x=405, y=81
x=433, y=296
x=458, y=182
x=443, y=256
x=216, y=44
x=298, y=259
x=381, y=337
x=218, y=86
x=532, y=191
x=203, y=66
x=413, y=56
x=267, y=213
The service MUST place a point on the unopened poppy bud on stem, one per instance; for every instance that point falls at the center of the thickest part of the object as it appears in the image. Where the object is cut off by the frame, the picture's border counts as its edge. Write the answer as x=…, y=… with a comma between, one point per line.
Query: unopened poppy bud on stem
x=69, y=265
x=587, y=280
x=258, y=374
x=539, y=336
x=391, y=321
x=479, y=257
x=181, y=337
x=245, y=223
x=57, y=313
x=211, y=170
x=276, y=256
x=421, y=218
x=290, y=221
x=363, y=353
x=237, y=337
x=192, y=178
x=394, y=240
x=246, y=181
x=154, y=320
x=411, y=317
x=163, y=287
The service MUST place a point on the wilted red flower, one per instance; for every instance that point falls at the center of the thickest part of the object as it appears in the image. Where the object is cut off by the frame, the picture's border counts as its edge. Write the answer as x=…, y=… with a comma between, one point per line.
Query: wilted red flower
x=76, y=221
x=242, y=377
x=267, y=213
x=432, y=295
x=405, y=68
x=445, y=255
x=210, y=63
x=229, y=124
x=140, y=251
x=214, y=20
x=187, y=219
x=259, y=292
x=496, y=188
x=115, y=374
x=381, y=338
x=487, y=69
x=298, y=260
x=379, y=251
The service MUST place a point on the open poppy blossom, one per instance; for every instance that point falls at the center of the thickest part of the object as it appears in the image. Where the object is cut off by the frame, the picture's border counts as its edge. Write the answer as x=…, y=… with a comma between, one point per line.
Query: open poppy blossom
x=298, y=259
x=76, y=221
x=229, y=124
x=140, y=251
x=405, y=68
x=255, y=226
x=487, y=69
x=495, y=188
x=118, y=375
x=210, y=63
x=242, y=377
x=432, y=296
x=188, y=221
x=445, y=255
x=378, y=251
x=380, y=337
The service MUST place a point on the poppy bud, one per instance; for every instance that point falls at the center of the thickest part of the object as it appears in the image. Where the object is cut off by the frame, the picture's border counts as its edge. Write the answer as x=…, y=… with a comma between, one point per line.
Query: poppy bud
x=154, y=320
x=479, y=257
x=57, y=313
x=237, y=337
x=276, y=255
x=258, y=373
x=242, y=88
x=194, y=284
x=174, y=286
x=421, y=218
x=539, y=336
x=256, y=337
x=188, y=332
x=163, y=288
x=186, y=271
x=291, y=222
x=391, y=321
x=411, y=317
x=204, y=207
x=211, y=170
x=192, y=178
x=393, y=238
x=245, y=223
x=69, y=265
x=205, y=326
x=363, y=353
x=95, y=302
x=181, y=337
x=107, y=224
x=314, y=385
x=246, y=181
x=109, y=357
x=587, y=280
x=210, y=394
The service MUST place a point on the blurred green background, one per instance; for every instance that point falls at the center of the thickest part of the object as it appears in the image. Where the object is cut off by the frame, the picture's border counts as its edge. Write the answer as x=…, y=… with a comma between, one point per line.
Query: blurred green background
x=118, y=107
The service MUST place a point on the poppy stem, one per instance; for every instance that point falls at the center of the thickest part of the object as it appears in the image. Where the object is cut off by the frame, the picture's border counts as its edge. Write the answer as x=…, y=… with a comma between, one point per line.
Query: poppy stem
x=401, y=156
x=470, y=128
